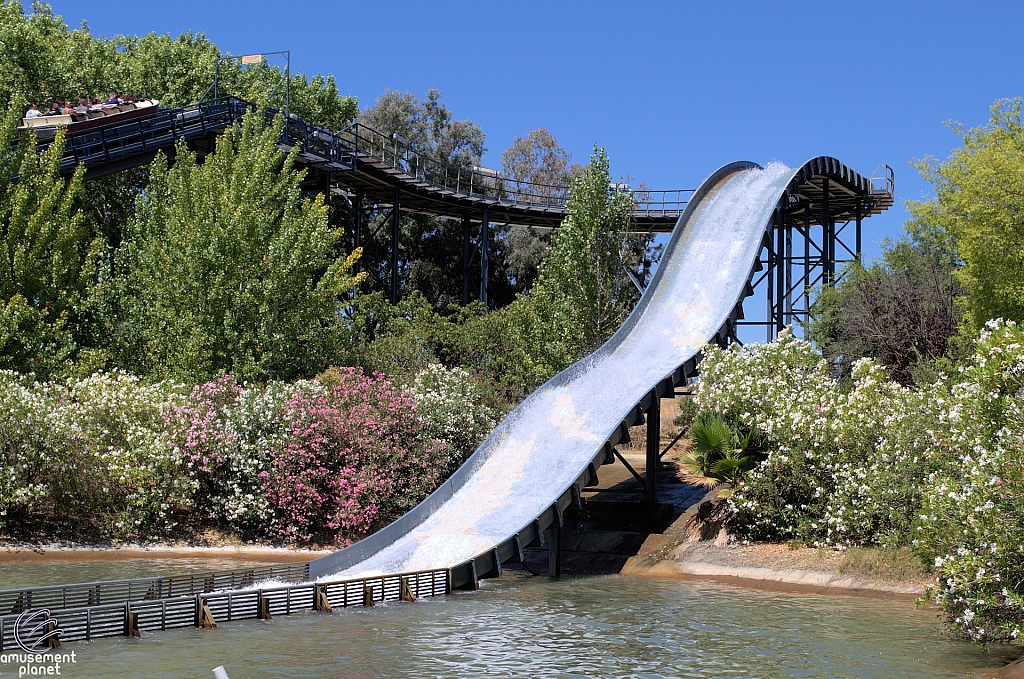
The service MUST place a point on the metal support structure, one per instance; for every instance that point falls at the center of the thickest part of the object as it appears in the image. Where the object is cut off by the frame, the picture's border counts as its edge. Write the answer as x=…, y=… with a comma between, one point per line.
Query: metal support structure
x=814, y=235
x=395, y=217
x=859, y=217
x=357, y=208
x=465, y=261
x=485, y=229
x=780, y=270
x=554, y=540
x=653, y=450
x=828, y=238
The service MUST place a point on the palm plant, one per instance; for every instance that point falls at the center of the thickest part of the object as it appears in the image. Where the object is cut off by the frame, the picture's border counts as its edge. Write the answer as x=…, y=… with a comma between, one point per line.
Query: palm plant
x=718, y=453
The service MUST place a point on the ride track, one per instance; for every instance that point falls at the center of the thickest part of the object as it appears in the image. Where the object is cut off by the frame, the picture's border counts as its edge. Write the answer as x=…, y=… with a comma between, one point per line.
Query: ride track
x=518, y=485
x=532, y=468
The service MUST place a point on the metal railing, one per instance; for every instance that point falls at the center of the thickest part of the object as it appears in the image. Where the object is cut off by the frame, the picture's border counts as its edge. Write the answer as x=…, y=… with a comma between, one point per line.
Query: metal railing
x=120, y=591
x=131, y=617
x=339, y=151
x=883, y=180
x=397, y=153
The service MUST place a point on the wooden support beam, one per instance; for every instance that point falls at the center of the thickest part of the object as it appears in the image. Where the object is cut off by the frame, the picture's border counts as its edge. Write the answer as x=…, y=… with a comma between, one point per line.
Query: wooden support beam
x=406, y=593
x=131, y=622
x=322, y=604
x=263, y=607
x=204, y=616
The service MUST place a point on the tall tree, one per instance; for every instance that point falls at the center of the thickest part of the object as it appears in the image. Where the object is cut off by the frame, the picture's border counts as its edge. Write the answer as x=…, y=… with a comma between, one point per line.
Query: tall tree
x=227, y=268
x=45, y=268
x=978, y=214
x=534, y=165
x=582, y=294
x=429, y=126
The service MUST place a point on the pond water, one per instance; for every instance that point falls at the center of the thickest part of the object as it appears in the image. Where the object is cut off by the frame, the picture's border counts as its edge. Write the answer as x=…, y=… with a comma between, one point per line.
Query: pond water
x=37, y=570
x=610, y=626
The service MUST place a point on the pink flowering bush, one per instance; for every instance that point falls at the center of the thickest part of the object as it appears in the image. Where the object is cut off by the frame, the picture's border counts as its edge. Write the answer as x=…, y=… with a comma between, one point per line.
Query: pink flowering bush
x=203, y=441
x=301, y=461
x=354, y=458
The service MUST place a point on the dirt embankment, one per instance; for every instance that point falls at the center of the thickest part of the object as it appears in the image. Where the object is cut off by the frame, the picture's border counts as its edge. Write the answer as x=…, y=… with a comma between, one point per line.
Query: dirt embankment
x=696, y=545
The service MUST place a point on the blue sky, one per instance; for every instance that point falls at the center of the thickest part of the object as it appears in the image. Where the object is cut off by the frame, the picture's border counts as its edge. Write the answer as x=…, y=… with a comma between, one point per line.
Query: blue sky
x=672, y=90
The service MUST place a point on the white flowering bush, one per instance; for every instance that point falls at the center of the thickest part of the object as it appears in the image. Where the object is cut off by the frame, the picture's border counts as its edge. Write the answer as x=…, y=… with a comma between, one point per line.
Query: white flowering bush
x=89, y=451
x=872, y=462
x=24, y=459
x=971, y=522
x=257, y=423
x=303, y=461
x=843, y=463
x=454, y=409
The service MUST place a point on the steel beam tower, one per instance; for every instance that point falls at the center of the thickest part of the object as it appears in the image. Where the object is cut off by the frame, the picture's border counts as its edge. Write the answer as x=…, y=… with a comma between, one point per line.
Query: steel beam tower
x=802, y=252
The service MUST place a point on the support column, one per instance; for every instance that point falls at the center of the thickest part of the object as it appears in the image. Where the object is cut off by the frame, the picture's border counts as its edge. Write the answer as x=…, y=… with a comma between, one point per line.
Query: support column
x=357, y=207
x=857, y=245
x=807, y=258
x=828, y=239
x=788, y=258
x=770, y=280
x=485, y=229
x=653, y=448
x=465, y=261
x=780, y=272
x=395, y=215
x=554, y=540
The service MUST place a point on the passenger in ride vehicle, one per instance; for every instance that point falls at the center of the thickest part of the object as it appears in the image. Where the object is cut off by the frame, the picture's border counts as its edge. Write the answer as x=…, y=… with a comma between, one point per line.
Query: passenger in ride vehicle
x=83, y=106
x=95, y=104
x=33, y=111
x=67, y=109
x=112, y=100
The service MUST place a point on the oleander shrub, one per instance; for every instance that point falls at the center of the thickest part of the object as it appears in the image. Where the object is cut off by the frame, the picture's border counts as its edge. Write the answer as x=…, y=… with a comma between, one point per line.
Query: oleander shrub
x=870, y=462
x=352, y=459
x=971, y=522
x=300, y=461
x=89, y=454
x=456, y=410
x=844, y=462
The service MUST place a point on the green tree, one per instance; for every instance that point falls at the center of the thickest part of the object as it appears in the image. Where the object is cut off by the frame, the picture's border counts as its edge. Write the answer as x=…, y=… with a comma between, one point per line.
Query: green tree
x=537, y=165
x=582, y=294
x=226, y=268
x=429, y=126
x=45, y=270
x=901, y=311
x=978, y=214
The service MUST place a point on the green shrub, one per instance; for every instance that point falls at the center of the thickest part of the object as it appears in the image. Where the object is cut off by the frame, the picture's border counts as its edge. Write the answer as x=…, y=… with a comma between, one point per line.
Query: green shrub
x=455, y=410
x=971, y=522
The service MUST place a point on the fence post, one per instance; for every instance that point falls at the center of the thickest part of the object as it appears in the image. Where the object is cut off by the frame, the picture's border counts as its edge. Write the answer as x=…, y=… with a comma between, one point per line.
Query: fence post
x=131, y=621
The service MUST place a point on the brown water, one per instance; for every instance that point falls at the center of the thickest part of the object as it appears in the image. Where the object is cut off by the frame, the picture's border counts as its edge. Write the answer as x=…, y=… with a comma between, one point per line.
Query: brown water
x=533, y=627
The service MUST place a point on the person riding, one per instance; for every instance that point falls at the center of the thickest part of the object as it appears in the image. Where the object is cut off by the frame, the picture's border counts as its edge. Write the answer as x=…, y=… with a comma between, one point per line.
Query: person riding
x=83, y=106
x=33, y=111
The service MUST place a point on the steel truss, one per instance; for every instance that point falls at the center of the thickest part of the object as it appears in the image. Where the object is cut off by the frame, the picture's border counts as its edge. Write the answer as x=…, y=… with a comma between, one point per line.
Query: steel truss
x=815, y=235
